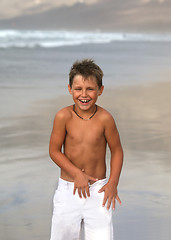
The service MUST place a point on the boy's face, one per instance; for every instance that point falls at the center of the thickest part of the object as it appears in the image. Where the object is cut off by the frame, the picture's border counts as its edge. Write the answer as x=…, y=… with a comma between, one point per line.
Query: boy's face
x=85, y=92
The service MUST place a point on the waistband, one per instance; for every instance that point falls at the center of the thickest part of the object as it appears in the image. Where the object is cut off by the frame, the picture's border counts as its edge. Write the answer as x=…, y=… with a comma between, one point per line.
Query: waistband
x=64, y=183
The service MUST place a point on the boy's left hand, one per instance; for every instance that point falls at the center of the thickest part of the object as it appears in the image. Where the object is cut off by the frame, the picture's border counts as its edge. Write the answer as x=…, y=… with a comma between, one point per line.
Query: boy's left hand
x=110, y=194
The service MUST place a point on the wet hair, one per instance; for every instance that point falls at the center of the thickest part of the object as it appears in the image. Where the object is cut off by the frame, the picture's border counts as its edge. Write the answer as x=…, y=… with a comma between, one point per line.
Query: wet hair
x=86, y=68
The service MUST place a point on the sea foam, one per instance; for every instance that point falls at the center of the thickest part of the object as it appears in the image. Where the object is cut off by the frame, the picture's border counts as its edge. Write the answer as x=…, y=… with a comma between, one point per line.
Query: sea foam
x=51, y=39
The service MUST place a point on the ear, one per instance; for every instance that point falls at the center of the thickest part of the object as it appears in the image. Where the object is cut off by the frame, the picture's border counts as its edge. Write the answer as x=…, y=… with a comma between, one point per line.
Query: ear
x=101, y=90
x=69, y=89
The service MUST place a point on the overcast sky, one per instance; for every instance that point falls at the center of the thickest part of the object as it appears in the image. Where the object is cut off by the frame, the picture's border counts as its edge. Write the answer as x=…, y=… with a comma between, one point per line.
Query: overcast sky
x=10, y=8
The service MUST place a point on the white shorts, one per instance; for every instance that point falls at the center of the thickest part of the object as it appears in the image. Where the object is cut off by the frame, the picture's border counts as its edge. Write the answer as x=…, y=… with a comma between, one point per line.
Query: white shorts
x=70, y=210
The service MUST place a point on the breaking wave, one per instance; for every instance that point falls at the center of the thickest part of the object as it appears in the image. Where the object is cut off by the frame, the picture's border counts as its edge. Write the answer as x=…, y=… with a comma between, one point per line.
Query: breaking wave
x=51, y=39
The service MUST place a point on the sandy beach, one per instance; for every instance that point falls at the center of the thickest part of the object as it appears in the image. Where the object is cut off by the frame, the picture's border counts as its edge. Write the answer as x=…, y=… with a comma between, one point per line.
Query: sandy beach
x=137, y=93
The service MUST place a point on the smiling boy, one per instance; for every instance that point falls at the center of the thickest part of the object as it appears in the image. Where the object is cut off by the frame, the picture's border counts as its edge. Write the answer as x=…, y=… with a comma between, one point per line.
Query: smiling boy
x=84, y=130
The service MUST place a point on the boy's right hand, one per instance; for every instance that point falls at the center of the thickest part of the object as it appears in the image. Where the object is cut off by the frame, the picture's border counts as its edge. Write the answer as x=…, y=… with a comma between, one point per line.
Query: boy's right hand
x=81, y=184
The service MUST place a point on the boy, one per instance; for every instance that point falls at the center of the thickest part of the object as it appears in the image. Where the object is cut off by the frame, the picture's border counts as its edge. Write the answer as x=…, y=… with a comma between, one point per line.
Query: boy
x=84, y=129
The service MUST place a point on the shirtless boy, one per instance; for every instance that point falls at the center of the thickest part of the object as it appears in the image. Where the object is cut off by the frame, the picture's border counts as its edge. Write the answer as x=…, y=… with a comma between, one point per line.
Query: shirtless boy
x=84, y=130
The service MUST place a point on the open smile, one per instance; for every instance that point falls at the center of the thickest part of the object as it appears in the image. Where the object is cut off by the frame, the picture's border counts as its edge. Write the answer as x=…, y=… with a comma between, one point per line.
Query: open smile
x=84, y=101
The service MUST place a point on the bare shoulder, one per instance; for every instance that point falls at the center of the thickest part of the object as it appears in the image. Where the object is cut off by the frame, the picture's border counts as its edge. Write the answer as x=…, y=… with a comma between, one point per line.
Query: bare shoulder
x=63, y=115
x=105, y=116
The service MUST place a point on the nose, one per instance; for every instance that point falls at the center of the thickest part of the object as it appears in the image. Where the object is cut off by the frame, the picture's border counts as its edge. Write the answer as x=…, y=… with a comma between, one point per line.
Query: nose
x=84, y=93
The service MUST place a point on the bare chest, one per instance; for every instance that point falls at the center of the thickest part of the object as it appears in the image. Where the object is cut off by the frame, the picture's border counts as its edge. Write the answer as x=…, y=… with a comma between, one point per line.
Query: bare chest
x=85, y=132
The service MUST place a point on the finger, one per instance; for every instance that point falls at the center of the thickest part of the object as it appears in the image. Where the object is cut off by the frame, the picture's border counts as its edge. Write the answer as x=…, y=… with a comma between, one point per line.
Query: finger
x=83, y=192
x=79, y=192
x=88, y=191
x=118, y=199
x=92, y=178
x=109, y=203
x=101, y=189
x=74, y=191
x=113, y=203
x=104, y=200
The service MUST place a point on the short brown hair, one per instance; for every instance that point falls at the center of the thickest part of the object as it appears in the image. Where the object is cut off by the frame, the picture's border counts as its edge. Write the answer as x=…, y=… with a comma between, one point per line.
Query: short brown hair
x=86, y=68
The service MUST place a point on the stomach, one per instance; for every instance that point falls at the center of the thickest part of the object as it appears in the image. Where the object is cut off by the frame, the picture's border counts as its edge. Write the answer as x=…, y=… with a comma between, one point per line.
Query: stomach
x=91, y=162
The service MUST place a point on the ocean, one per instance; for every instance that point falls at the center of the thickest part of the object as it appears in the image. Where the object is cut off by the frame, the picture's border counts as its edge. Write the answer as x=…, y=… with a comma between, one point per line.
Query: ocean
x=51, y=39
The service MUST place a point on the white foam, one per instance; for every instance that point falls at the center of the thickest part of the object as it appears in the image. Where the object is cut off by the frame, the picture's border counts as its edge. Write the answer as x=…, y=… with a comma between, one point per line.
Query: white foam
x=51, y=39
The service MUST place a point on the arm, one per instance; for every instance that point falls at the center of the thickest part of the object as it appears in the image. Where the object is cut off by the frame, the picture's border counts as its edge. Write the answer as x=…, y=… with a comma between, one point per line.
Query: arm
x=110, y=189
x=56, y=141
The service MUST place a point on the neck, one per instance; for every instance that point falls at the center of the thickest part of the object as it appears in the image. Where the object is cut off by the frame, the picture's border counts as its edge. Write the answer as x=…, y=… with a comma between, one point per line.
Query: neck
x=86, y=119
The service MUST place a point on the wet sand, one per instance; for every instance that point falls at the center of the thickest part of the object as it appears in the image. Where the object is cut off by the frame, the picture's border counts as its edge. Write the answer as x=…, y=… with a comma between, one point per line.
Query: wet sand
x=29, y=178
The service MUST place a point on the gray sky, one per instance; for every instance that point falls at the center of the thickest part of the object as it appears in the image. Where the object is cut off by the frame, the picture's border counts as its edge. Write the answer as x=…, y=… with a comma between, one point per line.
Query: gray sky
x=11, y=8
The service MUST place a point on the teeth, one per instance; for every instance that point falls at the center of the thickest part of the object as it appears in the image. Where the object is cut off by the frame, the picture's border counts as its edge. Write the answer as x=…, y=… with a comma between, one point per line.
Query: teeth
x=84, y=101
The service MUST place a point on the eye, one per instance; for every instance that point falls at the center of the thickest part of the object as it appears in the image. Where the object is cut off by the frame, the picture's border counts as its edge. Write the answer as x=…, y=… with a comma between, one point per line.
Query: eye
x=77, y=89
